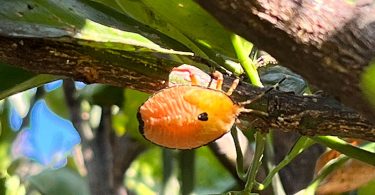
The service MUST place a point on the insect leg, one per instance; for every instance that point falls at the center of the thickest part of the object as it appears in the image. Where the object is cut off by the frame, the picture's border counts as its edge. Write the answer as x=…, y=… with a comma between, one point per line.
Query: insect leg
x=219, y=80
x=262, y=94
x=256, y=112
x=233, y=86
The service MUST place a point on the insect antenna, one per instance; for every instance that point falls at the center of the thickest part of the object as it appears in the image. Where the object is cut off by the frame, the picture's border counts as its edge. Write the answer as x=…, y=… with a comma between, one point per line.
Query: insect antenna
x=262, y=94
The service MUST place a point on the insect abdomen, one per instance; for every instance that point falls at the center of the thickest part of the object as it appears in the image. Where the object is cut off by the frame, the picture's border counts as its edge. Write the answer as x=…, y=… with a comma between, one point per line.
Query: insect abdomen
x=170, y=118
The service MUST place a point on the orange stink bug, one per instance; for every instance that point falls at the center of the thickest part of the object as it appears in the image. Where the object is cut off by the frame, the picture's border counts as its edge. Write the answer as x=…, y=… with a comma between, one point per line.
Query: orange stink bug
x=190, y=116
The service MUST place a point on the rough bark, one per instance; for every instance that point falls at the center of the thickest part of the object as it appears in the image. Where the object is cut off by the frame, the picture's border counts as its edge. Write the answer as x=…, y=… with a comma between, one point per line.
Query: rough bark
x=54, y=56
x=327, y=42
x=309, y=115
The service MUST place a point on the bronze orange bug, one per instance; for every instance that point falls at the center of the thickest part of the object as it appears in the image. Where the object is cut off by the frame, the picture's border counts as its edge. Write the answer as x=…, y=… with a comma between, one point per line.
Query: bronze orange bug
x=190, y=116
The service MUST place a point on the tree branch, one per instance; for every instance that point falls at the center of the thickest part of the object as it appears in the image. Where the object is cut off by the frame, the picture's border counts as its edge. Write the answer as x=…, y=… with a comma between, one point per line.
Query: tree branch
x=91, y=65
x=309, y=115
x=327, y=42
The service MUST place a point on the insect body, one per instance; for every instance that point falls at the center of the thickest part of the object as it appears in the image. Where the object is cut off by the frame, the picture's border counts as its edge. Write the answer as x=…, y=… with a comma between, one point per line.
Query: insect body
x=188, y=116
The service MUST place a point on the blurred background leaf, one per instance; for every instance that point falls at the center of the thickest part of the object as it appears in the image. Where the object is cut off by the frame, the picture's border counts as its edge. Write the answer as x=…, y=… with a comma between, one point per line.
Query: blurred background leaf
x=59, y=182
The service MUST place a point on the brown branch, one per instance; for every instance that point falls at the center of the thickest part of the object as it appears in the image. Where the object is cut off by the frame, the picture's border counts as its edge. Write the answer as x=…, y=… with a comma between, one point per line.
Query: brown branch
x=87, y=64
x=309, y=115
x=327, y=42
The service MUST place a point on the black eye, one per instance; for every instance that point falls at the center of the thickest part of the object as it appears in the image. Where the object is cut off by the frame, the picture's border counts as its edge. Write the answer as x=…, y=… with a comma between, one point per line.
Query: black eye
x=203, y=116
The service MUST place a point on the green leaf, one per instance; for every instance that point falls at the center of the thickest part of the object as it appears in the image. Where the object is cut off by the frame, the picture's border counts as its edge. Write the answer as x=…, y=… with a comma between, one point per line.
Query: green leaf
x=103, y=95
x=215, y=178
x=6, y=138
x=365, y=153
x=133, y=100
x=14, y=80
x=270, y=75
x=182, y=20
x=56, y=102
x=145, y=173
x=11, y=76
x=367, y=189
x=243, y=49
x=2, y=185
x=56, y=182
x=77, y=20
x=28, y=84
x=367, y=83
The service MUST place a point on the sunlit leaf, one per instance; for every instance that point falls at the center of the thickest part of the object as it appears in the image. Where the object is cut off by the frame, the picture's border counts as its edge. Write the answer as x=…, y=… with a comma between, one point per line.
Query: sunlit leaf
x=367, y=83
x=6, y=138
x=48, y=140
x=145, y=173
x=14, y=185
x=189, y=24
x=78, y=20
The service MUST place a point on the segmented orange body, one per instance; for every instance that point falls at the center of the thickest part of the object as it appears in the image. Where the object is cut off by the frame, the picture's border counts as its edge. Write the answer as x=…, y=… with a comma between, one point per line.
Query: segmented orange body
x=186, y=117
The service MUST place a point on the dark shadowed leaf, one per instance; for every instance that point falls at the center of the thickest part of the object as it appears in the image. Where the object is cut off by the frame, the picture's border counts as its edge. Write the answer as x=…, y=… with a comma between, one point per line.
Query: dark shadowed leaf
x=77, y=20
x=270, y=75
x=100, y=94
x=14, y=80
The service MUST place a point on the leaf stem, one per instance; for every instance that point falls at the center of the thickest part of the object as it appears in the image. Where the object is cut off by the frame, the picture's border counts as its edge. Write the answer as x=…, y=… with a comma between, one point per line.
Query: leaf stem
x=347, y=149
x=246, y=62
x=301, y=144
x=243, y=49
x=239, y=159
x=260, y=141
